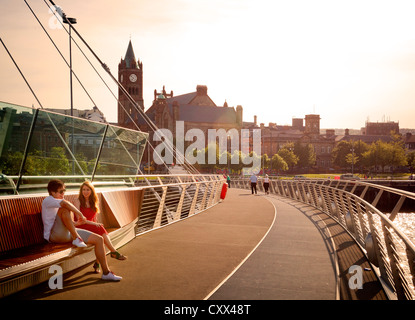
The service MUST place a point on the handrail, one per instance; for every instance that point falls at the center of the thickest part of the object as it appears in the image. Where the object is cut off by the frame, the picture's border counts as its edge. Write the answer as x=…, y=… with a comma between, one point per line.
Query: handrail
x=99, y=180
x=378, y=189
x=389, y=250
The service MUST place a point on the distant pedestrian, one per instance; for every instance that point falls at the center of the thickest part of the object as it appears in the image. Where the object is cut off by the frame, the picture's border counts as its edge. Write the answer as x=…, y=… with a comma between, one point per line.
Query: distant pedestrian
x=228, y=180
x=266, y=184
x=254, y=181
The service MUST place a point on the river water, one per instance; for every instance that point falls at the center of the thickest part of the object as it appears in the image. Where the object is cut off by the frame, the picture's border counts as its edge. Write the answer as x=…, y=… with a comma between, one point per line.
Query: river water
x=406, y=223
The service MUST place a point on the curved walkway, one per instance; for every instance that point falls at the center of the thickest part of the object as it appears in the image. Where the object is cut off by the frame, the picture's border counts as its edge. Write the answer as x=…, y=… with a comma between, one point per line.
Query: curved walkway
x=247, y=247
x=295, y=261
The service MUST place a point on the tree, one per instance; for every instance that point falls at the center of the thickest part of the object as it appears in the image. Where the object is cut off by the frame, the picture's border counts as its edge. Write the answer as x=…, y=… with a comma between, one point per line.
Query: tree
x=347, y=153
x=288, y=155
x=265, y=161
x=306, y=155
x=57, y=163
x=384, y=154
x=352, y=159
x=410, y=159
x=278, y=163
x=236, y=161
x=339, y=153
x=35, y=164
x=397, y=150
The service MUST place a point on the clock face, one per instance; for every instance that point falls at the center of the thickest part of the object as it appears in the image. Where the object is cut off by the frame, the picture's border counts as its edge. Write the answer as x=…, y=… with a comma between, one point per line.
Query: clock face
x=133, y=78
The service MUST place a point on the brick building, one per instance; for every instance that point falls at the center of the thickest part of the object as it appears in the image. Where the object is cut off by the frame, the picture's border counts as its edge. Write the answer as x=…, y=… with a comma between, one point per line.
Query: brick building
x=130, y=75
x=274, y=137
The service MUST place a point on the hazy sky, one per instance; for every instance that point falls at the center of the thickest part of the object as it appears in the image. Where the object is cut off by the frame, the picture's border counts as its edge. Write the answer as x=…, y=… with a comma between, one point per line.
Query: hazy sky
x=348, y=61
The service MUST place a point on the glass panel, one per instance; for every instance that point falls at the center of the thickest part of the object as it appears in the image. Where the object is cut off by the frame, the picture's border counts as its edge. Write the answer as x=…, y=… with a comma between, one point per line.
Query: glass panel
x=57, y=139
x=122, y=152
x=15, y=123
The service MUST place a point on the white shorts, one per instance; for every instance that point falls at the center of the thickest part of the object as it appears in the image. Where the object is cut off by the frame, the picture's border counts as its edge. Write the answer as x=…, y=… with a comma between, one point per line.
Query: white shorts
x=60, y=234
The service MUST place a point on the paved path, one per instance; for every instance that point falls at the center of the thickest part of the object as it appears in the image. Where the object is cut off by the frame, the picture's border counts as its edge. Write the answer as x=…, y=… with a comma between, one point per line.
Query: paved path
x=295, y=262
x=247, y=247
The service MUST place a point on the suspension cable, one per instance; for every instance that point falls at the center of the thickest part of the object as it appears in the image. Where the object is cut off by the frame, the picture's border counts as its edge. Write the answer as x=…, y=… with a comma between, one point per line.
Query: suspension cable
x=154, y=128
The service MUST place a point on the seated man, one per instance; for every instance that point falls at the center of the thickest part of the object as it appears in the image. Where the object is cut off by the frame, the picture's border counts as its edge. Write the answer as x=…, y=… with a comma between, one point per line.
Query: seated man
x=59, y=227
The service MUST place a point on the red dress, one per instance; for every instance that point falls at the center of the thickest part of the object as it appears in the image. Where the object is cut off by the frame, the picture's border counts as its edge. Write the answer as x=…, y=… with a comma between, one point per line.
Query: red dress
x=90, y=215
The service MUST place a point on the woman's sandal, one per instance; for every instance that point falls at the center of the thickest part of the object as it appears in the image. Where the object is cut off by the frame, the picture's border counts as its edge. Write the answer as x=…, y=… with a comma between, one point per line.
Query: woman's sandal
x=96, y=267
x=118, y=255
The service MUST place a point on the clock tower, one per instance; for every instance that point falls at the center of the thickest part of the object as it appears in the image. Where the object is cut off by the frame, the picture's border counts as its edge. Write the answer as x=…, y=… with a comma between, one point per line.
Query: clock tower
x=130, y=75
x=312, y=124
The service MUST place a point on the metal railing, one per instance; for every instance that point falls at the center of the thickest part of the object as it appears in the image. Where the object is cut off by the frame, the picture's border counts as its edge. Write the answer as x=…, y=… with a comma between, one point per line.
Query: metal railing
x=171, y=198
x=389, y=250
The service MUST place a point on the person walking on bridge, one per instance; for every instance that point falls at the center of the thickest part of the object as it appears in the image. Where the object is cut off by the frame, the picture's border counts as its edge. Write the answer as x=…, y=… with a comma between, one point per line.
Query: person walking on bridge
x=254, y=180
x=266, y=184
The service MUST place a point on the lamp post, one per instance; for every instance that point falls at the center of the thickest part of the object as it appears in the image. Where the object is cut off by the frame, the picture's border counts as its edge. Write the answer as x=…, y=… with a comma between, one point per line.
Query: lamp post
x=70, y=22
x=352, y=150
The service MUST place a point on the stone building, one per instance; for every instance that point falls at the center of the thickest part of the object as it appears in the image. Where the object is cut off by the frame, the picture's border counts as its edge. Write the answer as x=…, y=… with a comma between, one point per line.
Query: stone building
x=380, y=128
x=304, y=131
x=195, y=110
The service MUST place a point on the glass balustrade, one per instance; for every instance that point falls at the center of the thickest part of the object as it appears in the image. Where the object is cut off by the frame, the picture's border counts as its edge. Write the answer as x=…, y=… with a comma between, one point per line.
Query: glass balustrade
x=36, y=145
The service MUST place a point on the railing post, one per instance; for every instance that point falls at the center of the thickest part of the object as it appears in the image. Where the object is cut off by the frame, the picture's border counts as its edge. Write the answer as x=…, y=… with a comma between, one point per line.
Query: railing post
x=394, y=263
x=212, y=193
x=180, y=204
x=203, y=203
x=397, y=207
x=335, y=195
x=378, y=247
x=194, y=201
x=377, y=198
x=350, y=219
x=411, y=262
x=324, y=197
x=157, y=221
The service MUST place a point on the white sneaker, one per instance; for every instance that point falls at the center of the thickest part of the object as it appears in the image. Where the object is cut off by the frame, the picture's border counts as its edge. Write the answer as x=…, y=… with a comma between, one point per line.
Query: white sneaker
x=79, y=243
x=110, y=277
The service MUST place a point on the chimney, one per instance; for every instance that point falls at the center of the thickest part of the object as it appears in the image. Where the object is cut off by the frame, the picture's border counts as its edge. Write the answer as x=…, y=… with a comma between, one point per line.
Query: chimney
x=255, y=119
x=346, y=132
x=330, y=133
x=201, y=90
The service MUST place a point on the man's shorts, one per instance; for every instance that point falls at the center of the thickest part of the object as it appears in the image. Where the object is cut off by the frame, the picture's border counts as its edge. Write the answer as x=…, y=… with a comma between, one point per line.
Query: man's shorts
x=60, y=234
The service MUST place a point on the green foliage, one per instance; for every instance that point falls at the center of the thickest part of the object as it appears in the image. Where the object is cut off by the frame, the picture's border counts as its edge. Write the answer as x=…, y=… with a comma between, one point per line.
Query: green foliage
x=306, y=154
x=288, y=155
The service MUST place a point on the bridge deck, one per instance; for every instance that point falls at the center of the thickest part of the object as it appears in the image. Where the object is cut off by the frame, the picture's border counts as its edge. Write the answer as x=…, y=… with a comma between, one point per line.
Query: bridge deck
x=240, y=249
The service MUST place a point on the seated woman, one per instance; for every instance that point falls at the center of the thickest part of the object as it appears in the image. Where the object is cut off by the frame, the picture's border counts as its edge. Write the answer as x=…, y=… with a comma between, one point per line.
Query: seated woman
x=87, y=203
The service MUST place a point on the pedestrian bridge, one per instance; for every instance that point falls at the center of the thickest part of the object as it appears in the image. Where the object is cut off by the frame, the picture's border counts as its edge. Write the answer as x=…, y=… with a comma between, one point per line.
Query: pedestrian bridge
x=308, y=239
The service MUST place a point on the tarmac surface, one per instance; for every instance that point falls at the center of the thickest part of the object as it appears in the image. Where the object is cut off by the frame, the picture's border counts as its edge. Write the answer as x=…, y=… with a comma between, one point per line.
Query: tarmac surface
x=253, y=247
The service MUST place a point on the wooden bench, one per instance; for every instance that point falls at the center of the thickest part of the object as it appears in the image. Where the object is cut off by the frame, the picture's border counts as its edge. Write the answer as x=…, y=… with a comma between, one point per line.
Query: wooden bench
x=23, y=250
x=25, y=257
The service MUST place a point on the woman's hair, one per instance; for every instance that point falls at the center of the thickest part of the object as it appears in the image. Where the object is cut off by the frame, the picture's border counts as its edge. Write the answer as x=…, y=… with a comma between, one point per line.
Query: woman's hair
x=93, y=198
